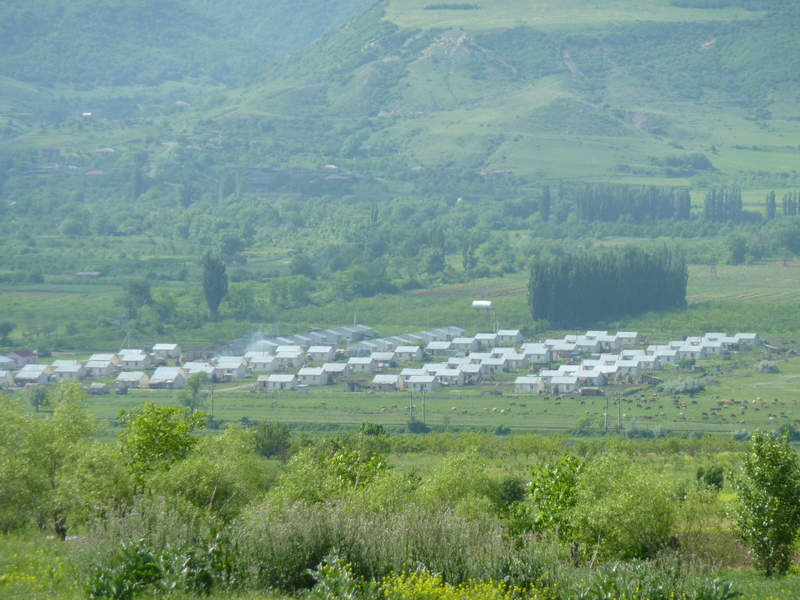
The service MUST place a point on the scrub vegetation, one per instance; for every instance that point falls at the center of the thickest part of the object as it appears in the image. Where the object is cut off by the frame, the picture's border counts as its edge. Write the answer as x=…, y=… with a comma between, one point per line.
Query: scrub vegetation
x=192, y=171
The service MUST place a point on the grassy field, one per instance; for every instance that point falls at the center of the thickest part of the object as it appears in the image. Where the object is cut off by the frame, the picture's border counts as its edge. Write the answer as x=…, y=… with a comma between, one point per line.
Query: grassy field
x=747, y=282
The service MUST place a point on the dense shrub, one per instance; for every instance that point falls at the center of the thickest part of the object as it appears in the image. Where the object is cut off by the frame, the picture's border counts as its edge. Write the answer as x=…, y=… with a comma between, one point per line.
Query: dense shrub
x=683, y=385
x=281, y=544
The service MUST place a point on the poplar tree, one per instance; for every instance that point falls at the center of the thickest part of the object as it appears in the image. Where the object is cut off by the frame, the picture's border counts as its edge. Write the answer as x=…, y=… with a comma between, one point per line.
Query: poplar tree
x=215, y=283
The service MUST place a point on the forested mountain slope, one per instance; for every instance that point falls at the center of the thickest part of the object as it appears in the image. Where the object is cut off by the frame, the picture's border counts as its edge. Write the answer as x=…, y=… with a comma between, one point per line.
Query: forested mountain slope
x=109, y=42
x=556, y=92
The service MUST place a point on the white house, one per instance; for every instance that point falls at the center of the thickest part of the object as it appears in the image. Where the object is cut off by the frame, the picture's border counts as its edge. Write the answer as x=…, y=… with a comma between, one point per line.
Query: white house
x=563, y=349
x=465, y=344
x=336, y=370
x=689, y=351
x=351, y=334
x=477, y=358
x=291, y=360
x=486, y=340
x=32, y=373
x=528, y=384
x=627, y=338
x=321, y=353
x=367, y=332
x=313, y=376
x=564, y=384
x=289, y=348
x=494, y=365
x=408, y=353
x=384, y=360
x=588, y=346
x=714, y=336
x=232, y=367
x=451, y=377
x=317, y=338
x=133, y=380
x=278, y=382
x=714, y=347
x=608, y=342
x=388, y=383
x=509, y=337
x=303, y=341
x=406, y=374
x=443, y=335
x=648, y=363
x=193, y=368
x=166, y=351
x=422, y=383
x=67, y=370
x=666, y=356
x=629, y=367
x=456, y=331
x=263, y=362
x=168, y=378
x=23, y=357
x=472, y=373
x=517, y=361
x=100, y=368
x=134, y=359
x=590, y=377
x=358, y=364
x=537, y=354
x=333, y=337
x=439, y=348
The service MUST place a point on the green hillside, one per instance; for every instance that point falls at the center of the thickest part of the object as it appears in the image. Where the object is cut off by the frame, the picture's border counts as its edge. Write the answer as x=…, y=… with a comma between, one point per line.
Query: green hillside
x=107, y=42
x=567, y=90
x=409, y=147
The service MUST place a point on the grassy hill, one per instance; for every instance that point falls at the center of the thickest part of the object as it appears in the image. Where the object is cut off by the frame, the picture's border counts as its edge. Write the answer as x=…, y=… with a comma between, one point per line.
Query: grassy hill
x=572, y=90
x=560, y=91
x=405, y=149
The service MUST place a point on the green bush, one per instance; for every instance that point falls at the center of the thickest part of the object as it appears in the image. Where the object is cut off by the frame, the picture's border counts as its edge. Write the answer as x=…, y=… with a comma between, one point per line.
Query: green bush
x=767, y=509
x=683, y=385
x=623, y=509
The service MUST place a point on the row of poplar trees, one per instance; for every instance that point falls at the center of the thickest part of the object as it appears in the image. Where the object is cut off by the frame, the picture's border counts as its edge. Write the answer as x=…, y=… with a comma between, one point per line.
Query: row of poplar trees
x=584, y=288
x=641, y=204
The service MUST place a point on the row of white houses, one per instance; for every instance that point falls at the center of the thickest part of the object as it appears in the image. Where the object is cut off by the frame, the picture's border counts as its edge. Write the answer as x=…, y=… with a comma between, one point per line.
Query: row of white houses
x=606, y=368
x=446, y=341
x=426, y=378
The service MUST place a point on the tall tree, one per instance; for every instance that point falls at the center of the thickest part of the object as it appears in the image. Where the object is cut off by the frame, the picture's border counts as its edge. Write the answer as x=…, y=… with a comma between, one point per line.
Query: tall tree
x=215, y=283
x=157, y=436
x=38, y=457
x=546, y=203
x=194, y=393
x=772, y=206
x=6, y=327
x=135, y=295
x=767, y=509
